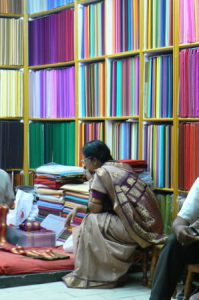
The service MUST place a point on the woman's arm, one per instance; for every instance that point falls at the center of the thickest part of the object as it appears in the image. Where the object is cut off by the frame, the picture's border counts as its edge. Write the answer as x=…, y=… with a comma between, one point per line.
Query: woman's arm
x=73, y=213
x=94, y=206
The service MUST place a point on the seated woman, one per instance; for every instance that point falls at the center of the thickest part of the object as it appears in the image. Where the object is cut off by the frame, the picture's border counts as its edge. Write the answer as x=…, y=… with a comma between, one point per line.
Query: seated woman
x=122, y=214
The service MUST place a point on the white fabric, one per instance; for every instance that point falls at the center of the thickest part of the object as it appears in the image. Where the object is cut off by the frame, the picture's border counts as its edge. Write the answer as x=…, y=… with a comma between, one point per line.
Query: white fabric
x=68, y=244
x=80, y=188
x=195, y=297
x=190, y=208
x=57, y=169
x=6, y=190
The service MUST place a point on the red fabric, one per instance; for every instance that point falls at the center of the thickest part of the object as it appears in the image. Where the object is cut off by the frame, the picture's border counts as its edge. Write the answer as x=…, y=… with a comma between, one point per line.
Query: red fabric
x=134, y=163
x=50, y=183
x=14, y=264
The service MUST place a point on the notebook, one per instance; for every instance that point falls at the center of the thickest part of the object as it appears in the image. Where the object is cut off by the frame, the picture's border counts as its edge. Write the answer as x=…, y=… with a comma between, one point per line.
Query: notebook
x=57, y=224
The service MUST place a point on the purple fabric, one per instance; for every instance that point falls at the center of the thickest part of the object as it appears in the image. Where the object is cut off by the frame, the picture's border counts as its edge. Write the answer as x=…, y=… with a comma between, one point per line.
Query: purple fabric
x=51, y=38
x=57, y=93
x=98, y=195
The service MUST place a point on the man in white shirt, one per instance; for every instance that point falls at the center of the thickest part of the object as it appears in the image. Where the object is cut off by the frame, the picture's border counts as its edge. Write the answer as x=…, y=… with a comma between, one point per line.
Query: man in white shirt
x=181, y=249
x=6, y=190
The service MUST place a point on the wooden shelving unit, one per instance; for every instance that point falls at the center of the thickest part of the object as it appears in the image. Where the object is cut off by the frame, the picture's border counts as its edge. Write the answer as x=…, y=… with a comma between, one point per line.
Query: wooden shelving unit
x=141, y=53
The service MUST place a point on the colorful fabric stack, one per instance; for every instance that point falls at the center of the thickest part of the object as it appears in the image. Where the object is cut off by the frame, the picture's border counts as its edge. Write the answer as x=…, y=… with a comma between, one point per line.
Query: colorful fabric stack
x=49, y=202
x=48, y=181
x=75, y=194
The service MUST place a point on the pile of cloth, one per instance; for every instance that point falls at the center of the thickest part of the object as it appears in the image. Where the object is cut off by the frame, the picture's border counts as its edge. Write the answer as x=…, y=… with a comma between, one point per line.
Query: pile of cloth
x=48, y=184
x=75, y=194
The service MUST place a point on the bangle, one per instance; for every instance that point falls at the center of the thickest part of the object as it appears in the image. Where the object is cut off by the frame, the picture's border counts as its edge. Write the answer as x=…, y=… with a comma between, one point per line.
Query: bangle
x=87, y=210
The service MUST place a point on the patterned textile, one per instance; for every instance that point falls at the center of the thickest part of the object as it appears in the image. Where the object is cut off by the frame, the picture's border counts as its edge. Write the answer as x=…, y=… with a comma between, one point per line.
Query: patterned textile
x=133, y=202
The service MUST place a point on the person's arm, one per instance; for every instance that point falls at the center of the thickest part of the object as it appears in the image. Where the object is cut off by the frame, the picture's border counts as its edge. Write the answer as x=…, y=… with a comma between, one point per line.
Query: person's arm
x=8, y=191
x=183, y=232
x=94, y=206
x=73, y=213
x=95, y=203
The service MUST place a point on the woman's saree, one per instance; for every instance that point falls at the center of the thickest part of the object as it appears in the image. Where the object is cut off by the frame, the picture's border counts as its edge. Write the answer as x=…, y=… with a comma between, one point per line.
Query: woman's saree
x=106, y=242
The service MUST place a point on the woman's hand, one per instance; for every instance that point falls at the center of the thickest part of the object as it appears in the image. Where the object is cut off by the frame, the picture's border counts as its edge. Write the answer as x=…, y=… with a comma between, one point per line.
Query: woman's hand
x=73, y=213
x=87, y=174
x=70, y=217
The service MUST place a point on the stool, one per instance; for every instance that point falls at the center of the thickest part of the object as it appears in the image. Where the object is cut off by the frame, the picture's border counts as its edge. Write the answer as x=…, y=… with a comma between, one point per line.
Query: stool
x=149, y=255
x=190, y=271
x=141, y=256
x=155, y=255
x=145, y=265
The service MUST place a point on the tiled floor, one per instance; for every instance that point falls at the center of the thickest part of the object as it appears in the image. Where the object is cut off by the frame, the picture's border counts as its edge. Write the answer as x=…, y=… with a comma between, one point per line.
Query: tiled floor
x=133, y=290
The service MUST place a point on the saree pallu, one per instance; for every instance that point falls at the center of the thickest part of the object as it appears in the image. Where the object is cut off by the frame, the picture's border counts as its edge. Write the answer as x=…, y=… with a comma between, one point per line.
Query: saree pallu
x=104, y=252
x=133, y=202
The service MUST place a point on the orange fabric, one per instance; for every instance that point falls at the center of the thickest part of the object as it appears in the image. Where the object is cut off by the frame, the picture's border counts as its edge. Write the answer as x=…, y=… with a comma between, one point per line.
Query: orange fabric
x=3, y=214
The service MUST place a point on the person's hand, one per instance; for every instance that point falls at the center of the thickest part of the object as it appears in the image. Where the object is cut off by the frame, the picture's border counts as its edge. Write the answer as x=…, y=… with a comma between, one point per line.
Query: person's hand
x=185, y=235
x=87, y=174
x=70, y=217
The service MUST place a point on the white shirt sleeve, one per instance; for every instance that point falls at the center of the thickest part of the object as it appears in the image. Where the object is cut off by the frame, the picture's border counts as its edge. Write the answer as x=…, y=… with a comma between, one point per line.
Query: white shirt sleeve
x=6, y=190
x=190, y=208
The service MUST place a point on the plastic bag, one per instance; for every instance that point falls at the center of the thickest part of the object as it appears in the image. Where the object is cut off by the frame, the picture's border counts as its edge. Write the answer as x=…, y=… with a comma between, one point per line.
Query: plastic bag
x=23, y=208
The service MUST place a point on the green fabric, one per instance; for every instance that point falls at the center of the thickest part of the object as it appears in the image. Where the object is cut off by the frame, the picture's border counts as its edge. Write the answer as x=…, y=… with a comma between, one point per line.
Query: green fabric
x=119, y=89
x=51, y=141
x=36, y=144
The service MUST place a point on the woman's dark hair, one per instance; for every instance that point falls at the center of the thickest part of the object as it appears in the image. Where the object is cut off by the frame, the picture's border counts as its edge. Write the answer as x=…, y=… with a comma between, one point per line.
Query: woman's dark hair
x=97, y=149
